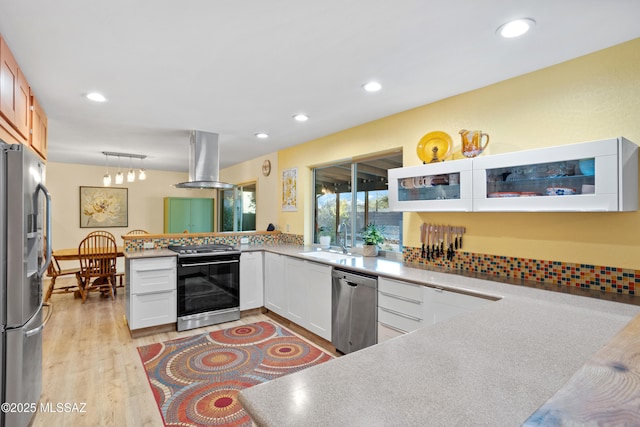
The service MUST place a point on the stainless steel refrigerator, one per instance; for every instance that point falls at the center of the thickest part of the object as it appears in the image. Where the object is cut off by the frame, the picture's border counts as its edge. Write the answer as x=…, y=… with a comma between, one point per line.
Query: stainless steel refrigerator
x=25, y=221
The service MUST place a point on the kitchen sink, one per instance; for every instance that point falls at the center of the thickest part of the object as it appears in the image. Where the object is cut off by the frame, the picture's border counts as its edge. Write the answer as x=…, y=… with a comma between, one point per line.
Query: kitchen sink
x=329, y=255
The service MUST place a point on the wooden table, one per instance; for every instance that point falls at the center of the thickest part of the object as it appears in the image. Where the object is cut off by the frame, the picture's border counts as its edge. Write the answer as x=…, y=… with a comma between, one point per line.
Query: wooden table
x=71, y=254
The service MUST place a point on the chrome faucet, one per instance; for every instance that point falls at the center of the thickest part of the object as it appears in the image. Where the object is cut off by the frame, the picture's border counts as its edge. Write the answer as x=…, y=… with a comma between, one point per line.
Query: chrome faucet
x=342, y=231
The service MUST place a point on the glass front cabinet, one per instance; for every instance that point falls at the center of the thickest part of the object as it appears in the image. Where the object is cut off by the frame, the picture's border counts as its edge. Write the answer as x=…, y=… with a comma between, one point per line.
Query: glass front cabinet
x=589, y=176
x=442, y=186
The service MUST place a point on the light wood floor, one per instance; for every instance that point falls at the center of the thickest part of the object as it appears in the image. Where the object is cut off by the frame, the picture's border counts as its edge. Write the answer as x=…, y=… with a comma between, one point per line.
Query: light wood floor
x=90, y=359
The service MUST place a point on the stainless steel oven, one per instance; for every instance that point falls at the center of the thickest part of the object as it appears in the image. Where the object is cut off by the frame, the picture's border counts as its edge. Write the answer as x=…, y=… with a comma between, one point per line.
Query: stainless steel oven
x=208, y=285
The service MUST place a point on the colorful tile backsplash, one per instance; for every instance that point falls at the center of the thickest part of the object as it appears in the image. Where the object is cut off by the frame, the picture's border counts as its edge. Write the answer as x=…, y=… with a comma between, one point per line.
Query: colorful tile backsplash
x=137, y=243
x=608, y=279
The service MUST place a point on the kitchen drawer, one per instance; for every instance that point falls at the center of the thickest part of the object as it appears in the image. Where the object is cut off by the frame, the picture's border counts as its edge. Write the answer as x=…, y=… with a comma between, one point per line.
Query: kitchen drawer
x=153, y=275
x=386, y=332
x=398, y=320
x=400, y=304
x=403, y=289
x=153, y=309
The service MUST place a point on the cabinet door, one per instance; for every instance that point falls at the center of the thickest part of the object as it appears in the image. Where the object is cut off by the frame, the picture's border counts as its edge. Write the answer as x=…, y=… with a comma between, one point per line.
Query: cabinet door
x=22, y=106
x=251, y=280
x=153, y=309
x=8, y=82
x=274, y=291
x=589, y=176
x=318, y=298
x=443, y=186
x=177, y=214
x=39, y=128
x=296, y=283
x=201, y=216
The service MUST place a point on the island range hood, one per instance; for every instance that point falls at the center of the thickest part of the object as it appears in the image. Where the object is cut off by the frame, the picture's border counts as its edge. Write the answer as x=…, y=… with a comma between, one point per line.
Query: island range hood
x=204, y=162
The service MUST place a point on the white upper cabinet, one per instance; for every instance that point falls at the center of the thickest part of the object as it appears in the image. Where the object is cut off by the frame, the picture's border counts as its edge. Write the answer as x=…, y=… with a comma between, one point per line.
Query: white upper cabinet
x=589, y=176
x=442, y=186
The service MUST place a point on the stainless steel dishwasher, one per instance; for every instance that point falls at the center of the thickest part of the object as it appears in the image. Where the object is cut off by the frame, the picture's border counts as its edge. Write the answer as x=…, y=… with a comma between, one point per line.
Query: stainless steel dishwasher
x=354, y=307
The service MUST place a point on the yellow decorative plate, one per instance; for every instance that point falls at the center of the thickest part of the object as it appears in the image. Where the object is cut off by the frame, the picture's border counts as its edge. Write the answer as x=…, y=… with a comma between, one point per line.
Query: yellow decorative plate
x=434, y=146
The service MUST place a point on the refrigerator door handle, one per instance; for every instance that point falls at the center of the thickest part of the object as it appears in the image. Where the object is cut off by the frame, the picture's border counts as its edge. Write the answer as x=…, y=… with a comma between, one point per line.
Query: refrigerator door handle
x=47, y=260
x=39, y=329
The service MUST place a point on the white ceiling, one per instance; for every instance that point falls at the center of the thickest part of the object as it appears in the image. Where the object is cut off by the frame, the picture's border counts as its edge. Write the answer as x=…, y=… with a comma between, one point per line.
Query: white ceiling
x=246, y=66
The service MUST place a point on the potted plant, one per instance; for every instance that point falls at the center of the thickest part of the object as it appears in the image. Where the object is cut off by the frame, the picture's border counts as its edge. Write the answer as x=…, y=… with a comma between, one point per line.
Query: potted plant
x=325, y=238
x=372, y=237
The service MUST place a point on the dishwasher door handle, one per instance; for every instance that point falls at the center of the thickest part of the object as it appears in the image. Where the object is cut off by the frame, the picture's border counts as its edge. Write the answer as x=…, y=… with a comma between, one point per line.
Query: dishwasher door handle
x=352, y=284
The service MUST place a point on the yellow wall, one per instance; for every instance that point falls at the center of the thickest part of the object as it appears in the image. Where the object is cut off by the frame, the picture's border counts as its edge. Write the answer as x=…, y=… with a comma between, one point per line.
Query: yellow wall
x=593, y=97
x=267, y=205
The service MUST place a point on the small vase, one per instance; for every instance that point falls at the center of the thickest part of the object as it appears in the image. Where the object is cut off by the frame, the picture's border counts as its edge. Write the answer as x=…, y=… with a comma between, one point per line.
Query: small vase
x=325, y=242
x=370, y=250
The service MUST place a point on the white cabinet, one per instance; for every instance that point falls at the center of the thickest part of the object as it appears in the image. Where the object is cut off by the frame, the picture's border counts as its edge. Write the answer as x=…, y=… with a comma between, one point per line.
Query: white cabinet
x=295, y=289
x=442, y=186
x=440, y=305
x=589, y=176
x=300, y=291
x=274, y=295
x=308, y=294
x=151, y=292
x=317, y=284
x=400, y=308
x=251, y=280
x=404, y=307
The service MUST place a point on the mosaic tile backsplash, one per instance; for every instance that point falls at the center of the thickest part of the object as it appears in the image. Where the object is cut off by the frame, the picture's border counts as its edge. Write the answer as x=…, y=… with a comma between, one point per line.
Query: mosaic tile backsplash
x=137, y=243
x=608, y=279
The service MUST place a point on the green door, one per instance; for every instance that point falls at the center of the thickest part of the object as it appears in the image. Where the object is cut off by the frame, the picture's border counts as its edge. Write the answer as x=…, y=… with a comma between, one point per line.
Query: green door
x=201, y=216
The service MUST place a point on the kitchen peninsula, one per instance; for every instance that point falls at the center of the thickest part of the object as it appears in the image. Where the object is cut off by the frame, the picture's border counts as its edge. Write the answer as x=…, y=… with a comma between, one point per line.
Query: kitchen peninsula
x=495, y=365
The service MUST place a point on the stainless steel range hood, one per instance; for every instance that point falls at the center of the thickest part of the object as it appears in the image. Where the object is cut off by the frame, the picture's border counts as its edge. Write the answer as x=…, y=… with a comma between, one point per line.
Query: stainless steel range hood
x=204, y=162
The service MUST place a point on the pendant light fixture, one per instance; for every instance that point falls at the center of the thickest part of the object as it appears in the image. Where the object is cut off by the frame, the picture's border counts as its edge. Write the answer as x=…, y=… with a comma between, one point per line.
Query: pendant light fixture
x=142, y=175
x=131, y=174
x=106, y=179
x=119, y=175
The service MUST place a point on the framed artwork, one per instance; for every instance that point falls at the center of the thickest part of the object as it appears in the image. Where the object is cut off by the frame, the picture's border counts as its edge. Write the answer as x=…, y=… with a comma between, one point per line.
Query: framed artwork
x=103, y=207
x=290, y=190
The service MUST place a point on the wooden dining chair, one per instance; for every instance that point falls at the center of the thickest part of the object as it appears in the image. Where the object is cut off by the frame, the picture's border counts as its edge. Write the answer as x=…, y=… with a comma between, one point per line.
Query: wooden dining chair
x=53, y=272
x=136, y=232
x=97, y=254
x=101, y=233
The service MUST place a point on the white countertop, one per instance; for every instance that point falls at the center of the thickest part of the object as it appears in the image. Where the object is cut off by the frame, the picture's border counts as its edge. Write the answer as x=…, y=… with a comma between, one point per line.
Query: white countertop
x=494, y=366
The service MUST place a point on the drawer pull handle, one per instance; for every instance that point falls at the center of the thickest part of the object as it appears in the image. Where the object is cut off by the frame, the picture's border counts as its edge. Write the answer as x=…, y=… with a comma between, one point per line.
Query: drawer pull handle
x=401, y=298
x=393, y=328
x=406, y=316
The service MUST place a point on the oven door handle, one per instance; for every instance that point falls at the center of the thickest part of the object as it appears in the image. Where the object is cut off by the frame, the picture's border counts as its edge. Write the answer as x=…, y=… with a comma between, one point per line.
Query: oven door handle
x=198, y=264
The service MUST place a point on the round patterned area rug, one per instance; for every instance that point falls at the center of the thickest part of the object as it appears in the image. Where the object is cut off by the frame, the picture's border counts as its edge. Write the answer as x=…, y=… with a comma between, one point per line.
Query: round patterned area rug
x=196, y=380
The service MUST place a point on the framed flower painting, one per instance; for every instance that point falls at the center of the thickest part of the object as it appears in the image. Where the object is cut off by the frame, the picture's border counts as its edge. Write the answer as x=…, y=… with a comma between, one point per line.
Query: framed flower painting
x=103, y=207
x=290, y=190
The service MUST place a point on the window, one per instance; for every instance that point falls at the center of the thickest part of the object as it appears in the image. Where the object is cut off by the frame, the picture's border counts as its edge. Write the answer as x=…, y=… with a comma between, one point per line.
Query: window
x=356, y=194
x=238, y=208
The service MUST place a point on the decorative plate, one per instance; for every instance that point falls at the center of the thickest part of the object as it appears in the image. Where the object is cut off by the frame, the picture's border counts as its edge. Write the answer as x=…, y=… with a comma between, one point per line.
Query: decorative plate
x=434, y=147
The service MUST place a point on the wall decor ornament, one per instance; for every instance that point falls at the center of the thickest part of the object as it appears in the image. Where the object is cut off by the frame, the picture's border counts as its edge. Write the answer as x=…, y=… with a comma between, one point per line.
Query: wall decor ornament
x=103, y=207
x=290, y=190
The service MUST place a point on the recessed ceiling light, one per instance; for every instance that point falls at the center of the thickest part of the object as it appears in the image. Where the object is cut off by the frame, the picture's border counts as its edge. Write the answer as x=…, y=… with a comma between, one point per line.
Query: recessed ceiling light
x=516, y=27
x=301, y=117
x=262, y=135
x=372, y=86
x=95, y=96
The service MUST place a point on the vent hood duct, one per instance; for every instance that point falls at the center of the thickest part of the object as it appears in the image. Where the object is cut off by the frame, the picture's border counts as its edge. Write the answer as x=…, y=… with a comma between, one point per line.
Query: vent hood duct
x=204, y=162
